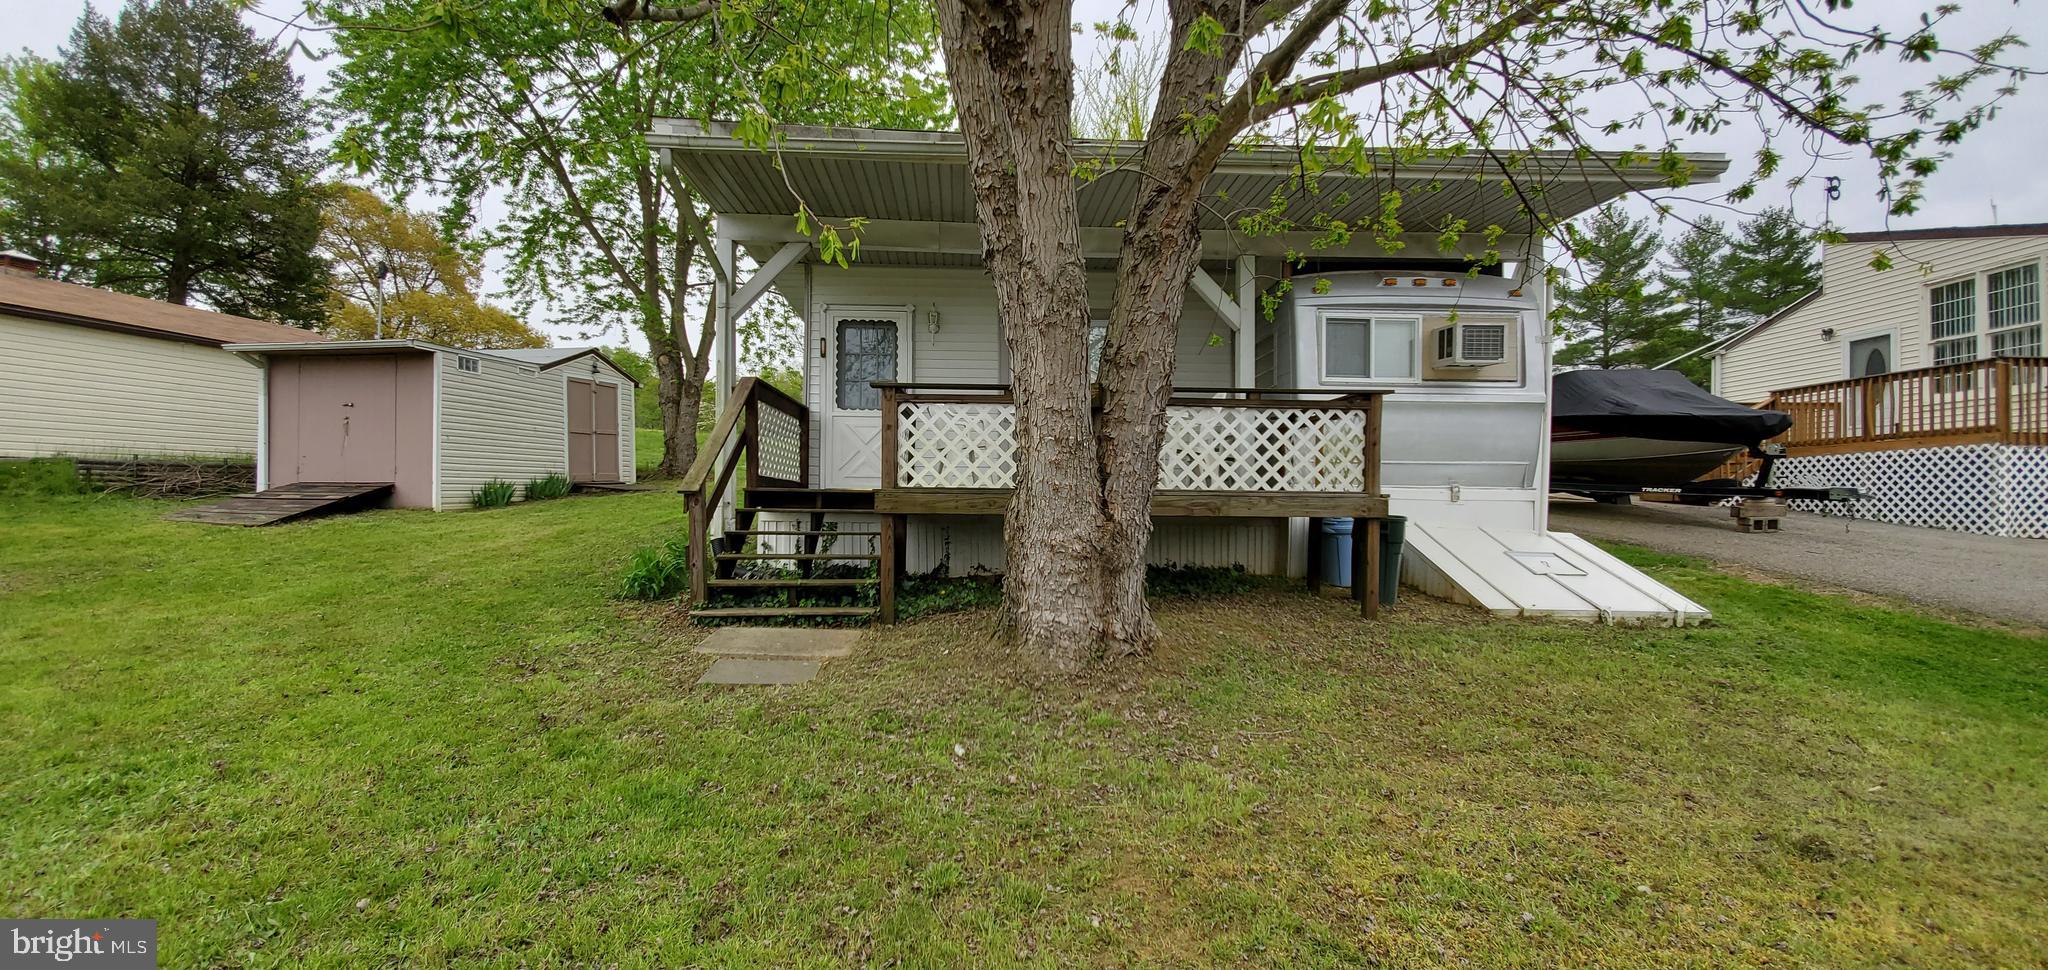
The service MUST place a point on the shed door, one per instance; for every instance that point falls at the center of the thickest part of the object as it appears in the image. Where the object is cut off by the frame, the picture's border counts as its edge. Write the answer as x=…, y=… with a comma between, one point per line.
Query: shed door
x=593, y=431
x=582, y=431
x=604, y=440
x=348, y=419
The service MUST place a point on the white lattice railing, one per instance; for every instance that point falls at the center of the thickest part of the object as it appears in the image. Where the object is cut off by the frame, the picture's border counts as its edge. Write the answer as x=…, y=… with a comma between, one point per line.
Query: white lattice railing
x=1235, y=446
x=781, y=445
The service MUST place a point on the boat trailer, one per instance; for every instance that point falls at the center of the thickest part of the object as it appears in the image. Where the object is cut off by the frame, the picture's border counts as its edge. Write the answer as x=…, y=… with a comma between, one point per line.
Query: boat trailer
x=1715, y=490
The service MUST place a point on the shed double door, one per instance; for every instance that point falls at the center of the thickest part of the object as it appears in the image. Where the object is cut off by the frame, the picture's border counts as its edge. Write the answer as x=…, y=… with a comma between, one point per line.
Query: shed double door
x=593, y=431
x=347, y=410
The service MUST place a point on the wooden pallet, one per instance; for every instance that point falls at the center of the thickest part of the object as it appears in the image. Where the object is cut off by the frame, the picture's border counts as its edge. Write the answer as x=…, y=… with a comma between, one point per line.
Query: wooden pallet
x=286, y=503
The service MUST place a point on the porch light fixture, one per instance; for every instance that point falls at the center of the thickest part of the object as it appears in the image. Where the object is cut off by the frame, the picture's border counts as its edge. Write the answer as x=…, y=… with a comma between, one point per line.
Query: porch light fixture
x=931, y=320
x=1827, y=333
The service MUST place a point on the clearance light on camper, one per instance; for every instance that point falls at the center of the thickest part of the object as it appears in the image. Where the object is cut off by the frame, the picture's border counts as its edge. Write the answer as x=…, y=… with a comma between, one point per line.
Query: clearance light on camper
x=1390, y=281
x=1418, y=281
x=1517, y=291
x=1450, y=282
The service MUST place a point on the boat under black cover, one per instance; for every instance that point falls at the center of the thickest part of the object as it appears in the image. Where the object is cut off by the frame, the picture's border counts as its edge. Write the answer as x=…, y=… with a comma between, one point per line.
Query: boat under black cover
x=1648, y=428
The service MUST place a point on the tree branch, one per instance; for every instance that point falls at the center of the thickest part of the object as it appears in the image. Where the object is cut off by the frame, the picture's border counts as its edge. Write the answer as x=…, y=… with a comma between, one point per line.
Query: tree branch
x=621, y=11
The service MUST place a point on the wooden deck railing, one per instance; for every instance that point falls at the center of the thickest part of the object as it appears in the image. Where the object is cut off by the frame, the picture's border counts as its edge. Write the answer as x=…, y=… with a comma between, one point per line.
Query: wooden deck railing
x=2001, y=400
x=950, y=449
x=763, y=431
x=963, y=436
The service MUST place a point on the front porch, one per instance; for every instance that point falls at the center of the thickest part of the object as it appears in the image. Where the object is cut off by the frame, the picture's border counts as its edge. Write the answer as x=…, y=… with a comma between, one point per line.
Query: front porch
x=948, y=450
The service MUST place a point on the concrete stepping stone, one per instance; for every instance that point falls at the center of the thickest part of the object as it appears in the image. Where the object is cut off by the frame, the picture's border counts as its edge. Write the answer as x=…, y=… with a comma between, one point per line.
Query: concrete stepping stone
x=787, y=643
x=737, y=670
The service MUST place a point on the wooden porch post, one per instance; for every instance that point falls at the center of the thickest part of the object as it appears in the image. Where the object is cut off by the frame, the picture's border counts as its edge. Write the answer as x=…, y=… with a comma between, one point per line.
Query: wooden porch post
x=892, y=563
x=1315, y=554
x=1369, y=557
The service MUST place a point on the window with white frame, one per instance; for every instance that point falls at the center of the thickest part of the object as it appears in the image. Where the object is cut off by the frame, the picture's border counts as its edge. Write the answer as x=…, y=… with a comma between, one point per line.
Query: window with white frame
x=470, y=364
x=1371, y=348
x=2012, y=299
x=1953, y=309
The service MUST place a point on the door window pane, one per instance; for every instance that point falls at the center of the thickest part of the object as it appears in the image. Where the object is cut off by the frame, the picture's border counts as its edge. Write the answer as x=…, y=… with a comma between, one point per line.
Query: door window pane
x=866, y=352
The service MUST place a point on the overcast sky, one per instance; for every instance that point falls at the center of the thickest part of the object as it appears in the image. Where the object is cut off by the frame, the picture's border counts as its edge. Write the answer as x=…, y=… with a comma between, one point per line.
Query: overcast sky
x=1996, y=167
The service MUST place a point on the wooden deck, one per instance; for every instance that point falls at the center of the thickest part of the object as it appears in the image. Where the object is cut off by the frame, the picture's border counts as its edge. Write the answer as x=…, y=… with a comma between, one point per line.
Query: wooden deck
x=287, y=503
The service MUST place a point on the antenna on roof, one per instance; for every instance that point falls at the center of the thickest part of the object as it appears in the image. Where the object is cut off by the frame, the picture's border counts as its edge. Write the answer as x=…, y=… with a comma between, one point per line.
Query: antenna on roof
x=1994, y=210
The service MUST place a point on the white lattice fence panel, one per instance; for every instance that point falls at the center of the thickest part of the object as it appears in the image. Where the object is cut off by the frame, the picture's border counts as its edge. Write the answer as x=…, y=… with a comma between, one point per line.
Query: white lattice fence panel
x=1250, y=449
x=1987, y=489
x=782, y=445
x=1208, y=449
x=956, y=445
x=2023, y=491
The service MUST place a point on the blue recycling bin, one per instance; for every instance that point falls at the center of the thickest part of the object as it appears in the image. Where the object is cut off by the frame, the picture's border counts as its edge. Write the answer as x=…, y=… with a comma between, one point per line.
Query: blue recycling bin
x=1336, y=540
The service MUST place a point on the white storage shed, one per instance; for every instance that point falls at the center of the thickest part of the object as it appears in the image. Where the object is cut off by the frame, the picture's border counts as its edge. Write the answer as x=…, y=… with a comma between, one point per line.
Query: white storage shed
x=437, y=422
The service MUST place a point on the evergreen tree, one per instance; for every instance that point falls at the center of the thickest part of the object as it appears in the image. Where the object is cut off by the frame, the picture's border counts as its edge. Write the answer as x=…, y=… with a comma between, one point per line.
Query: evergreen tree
x=1770, y=264
x=1613, y=316
x=1695, y=273
x=167, y=153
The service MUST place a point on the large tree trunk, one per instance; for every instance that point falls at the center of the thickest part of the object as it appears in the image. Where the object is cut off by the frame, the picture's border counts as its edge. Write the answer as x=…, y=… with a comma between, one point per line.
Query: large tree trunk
x=1011, y=63
x=1081, y=519
x=681, y=399
x=1161, y=249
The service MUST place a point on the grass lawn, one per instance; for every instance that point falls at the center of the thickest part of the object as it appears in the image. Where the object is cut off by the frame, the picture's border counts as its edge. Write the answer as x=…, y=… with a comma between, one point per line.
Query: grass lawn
x=413, y=739
x=646, y=449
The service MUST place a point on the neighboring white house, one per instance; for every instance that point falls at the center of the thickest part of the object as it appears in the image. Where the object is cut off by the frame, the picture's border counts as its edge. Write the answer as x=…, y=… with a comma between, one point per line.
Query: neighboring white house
x=1924, y=384
x=438, y=422
x=1349, y=403
x=1951, y=296
x=92, y=373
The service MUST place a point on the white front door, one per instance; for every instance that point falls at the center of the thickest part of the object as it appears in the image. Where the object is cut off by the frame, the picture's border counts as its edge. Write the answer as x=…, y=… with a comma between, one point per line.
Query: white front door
x=862, y=344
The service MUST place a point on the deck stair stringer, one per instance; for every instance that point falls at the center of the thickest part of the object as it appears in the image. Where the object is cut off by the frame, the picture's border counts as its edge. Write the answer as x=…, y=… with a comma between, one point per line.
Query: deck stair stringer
x=1524, y=572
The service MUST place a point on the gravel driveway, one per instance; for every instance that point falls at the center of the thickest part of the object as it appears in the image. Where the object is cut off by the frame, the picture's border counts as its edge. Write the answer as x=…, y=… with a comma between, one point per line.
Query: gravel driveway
x=2002, y=578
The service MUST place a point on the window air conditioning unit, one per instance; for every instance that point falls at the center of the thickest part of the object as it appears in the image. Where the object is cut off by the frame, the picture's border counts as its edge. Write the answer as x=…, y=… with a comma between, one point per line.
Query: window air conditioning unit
x=1471, y=344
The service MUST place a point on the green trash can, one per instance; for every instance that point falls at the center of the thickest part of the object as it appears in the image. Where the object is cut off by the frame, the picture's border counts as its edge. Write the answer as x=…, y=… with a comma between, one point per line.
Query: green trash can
x=1393, y=535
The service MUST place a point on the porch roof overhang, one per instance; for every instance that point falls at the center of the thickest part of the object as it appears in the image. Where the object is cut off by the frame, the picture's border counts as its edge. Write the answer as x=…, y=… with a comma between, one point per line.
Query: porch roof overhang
x=900, y=179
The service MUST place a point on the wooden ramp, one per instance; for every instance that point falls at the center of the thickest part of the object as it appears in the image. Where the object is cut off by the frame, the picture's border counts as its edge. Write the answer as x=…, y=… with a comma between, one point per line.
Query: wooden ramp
x=288, y=502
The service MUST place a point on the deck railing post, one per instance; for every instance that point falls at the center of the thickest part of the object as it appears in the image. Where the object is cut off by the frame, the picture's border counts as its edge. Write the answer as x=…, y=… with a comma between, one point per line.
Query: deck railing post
x=2002, y=374
x=695, y=547
x=889, y=444
x=1368, y=559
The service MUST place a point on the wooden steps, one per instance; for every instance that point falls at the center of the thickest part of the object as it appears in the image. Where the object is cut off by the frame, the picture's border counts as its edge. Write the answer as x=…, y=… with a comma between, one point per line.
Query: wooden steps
x=751, y=582
x=802, y=593
x=287, y=503
x=799, y=556
x=784, y=612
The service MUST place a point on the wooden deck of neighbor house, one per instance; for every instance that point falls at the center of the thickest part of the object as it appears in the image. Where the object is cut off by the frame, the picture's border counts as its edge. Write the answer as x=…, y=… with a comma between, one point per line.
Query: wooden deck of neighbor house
x=950, y=449
x=1998, y=401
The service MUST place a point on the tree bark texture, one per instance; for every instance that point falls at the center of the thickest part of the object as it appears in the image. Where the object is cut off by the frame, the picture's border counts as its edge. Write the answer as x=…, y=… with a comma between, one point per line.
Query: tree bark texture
x=1080, y=520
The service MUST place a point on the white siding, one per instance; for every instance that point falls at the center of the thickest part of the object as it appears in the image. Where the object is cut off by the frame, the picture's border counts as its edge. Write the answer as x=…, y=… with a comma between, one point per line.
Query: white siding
x=508, y=422
x=82, y=391
x=1857, y=302
x=967, y=349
